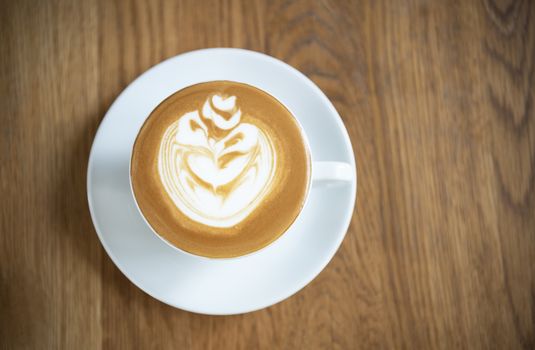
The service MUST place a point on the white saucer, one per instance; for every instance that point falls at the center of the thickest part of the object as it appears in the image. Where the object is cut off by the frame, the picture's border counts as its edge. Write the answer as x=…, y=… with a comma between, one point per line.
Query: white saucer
x=218, y=287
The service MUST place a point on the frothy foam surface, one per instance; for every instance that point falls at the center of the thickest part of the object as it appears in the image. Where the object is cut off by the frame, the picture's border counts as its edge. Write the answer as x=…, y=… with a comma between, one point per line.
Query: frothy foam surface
x=220, y=169
x=216, y=176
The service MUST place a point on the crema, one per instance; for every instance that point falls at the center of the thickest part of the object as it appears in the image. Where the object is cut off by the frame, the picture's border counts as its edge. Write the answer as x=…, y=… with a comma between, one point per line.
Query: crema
x=220, y=169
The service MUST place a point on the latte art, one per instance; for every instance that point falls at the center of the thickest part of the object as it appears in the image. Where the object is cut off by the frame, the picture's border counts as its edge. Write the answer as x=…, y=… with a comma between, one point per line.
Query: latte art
x=220, y=169
x=215, y=168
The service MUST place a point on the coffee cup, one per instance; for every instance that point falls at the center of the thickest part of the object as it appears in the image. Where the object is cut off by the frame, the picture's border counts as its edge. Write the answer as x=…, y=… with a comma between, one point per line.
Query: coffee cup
x=222, y=169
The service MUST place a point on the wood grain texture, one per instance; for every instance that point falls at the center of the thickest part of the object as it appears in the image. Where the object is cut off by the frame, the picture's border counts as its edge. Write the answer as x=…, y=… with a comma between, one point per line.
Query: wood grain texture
x=438, y=98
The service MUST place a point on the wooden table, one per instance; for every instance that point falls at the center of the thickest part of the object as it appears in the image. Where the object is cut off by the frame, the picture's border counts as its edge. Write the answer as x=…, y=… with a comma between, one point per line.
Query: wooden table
x=438, y=97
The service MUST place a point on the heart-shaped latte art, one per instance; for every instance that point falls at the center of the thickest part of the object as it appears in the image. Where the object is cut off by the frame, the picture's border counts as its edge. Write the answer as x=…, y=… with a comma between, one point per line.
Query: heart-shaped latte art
x=215, y=168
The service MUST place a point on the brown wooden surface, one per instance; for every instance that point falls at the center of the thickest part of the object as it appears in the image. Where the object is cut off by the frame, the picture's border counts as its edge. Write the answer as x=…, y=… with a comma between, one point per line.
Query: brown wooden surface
x=438, y=97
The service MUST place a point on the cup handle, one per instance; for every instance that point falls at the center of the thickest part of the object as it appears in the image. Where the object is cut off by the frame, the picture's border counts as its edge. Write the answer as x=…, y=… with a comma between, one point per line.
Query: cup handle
x=329, y=172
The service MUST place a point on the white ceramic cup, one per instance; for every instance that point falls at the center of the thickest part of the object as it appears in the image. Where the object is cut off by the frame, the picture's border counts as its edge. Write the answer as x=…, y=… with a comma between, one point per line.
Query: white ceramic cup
x=324, y=173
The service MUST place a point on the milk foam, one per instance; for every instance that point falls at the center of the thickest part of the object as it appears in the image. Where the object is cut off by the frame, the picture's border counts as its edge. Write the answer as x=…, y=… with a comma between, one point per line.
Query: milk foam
x=215, y=168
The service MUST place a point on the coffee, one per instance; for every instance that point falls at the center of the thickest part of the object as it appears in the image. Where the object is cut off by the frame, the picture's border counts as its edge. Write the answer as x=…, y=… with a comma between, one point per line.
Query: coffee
x=220, y=169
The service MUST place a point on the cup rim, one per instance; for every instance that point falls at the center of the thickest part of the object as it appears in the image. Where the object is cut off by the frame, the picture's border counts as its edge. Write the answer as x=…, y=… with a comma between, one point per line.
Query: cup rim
x=203, y=257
